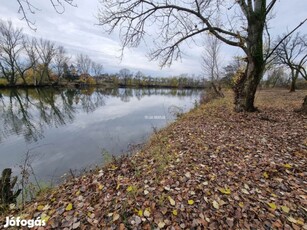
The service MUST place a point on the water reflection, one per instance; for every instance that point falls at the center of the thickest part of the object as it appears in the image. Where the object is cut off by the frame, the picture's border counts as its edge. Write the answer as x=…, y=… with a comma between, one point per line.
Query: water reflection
x=68, y=128
x=28, y=112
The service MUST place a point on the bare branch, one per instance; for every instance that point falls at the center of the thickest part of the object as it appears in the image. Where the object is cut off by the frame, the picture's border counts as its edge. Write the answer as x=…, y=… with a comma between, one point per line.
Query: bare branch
x=284, y=38
x=25, y=7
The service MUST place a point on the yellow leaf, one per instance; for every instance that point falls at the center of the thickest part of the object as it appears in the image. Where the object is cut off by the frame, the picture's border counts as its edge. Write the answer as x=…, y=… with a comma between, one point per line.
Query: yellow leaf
x=40, y=207
x=226, y=191
x=78, y=193
x=69, y=207
x=113, y=167
x=241, y=204
x=190, y=202
x=265, y=175
x=45, y=217
x=216, y=205
x=272, y=205
x=172, y=202
x=100, y=187
x=300, y=222
x=53, y=199
x=129, y=189
x=285, y=209
x=140, y=213
x=175, y=213
x=288, y=166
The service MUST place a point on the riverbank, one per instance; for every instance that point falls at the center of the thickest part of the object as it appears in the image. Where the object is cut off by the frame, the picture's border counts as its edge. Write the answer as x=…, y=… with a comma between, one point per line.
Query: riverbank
x=212, y=168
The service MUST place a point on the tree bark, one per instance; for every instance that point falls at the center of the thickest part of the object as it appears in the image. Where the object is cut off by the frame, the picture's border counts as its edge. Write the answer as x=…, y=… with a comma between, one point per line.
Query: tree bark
x=247, y=82
x=292, y=86
x=294, y=76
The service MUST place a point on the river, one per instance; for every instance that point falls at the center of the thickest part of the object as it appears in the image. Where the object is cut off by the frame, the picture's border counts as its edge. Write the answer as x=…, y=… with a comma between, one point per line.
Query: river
x=60, y=130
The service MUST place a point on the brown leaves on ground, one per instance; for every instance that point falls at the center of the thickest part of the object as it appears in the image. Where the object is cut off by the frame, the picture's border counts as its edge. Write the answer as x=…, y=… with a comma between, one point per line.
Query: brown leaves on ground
x=211, y=169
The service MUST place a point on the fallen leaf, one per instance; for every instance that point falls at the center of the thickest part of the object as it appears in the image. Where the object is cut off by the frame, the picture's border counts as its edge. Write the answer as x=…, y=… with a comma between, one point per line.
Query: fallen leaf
x=226, y=191
x=216, y=205
x=68, y=207
x=115, y=217
x=292, y=220
x=272, y=205
x=129, y=189
x=146, y=213
x=40, y=207
x=172, y=202
x=161, y=224
x=45, y=217
x=140, y=213
x=265, y=175
x=190, y=202
x=76, y=225
x=285, y=209
x=288, y=166
x=175, y=212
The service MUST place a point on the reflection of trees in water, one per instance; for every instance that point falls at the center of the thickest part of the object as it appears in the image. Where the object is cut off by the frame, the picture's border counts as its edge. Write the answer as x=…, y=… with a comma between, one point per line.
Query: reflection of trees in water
x=28, y=112
x=126, y=93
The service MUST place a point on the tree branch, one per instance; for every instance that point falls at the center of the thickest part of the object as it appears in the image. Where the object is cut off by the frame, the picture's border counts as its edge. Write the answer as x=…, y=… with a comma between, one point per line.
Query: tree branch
x=284, y=38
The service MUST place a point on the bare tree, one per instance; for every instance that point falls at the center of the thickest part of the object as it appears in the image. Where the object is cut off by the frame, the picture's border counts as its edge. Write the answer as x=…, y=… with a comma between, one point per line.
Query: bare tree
x=138, y=76
x=277, y=77
x=46, y=52
x=26, y=7
x=211, y=63
x=180, y=21
x=11, y=47
x=84, y=64
x=30, y=58
x=124, y=74
x=292, y=52
x=60, y=59
x=97, y=69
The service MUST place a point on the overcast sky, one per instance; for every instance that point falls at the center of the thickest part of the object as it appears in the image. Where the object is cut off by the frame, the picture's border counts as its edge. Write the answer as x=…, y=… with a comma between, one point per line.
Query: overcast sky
x=77, y=32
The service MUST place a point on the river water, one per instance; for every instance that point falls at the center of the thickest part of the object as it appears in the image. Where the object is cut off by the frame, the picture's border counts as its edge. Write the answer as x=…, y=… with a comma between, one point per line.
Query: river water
x=61, y=130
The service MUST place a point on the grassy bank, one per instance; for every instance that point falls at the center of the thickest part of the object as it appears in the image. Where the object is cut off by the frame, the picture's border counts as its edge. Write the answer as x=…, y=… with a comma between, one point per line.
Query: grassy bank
x=212, y=168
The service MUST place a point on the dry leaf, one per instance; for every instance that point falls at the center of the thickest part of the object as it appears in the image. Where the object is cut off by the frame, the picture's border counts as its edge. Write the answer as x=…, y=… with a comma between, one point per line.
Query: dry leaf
x=172, y=202
x=216, y=205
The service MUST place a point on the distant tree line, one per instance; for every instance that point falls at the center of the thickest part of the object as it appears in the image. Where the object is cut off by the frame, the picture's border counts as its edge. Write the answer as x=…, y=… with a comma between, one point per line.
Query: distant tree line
x=126, y=78
x=31, y=61
x=38, y=62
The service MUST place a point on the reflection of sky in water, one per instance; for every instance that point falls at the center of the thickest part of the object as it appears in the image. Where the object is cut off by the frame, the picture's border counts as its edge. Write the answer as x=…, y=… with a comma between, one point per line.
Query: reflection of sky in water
x=78, y=144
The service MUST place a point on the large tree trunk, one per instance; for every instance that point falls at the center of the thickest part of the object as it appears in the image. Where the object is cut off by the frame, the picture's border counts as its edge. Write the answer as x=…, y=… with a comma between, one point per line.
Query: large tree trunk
x=294, y=76
x=248, y=81
x=292, y=86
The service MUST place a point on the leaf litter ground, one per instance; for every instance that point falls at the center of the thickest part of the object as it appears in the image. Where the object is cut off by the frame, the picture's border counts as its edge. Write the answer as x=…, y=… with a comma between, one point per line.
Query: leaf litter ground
x=211, y=169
